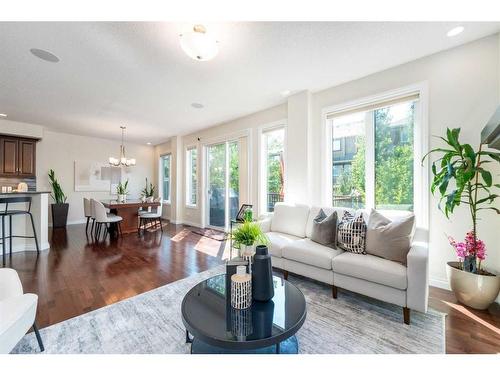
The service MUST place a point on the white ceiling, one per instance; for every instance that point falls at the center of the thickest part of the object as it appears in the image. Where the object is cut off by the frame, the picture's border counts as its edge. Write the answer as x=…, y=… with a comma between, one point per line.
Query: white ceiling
x=136, y=74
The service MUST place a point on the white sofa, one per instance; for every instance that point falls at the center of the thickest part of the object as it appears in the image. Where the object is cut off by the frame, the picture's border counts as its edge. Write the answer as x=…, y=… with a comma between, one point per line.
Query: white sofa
x=289, y=230
x=17, y=311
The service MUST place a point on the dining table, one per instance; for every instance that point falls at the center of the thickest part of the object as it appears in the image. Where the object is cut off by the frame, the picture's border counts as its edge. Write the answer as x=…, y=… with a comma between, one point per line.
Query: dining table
x=129, y=212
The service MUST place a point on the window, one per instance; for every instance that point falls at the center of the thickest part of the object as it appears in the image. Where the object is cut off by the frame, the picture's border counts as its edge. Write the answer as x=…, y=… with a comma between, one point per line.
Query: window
x=372, y=155
x=273, y=142
x=165, y=161
x=191, y=176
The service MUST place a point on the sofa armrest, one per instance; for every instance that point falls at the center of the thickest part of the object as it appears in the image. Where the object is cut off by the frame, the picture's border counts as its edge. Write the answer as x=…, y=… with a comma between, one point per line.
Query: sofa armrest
x=417, y=294
x=265, y=223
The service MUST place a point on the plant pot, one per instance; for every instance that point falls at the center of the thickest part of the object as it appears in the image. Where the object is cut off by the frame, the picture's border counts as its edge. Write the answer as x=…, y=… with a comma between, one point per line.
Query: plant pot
x=59, y=214
x=122, y=198
x=473, y=290
x=246, y=250
x=150, y=199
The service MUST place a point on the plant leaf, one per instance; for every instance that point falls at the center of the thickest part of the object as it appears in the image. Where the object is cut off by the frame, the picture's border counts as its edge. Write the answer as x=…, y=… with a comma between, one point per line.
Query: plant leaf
x=486, y=177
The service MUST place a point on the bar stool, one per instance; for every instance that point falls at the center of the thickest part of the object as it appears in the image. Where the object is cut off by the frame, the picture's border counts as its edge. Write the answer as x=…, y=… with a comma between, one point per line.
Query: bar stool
x=9, y=213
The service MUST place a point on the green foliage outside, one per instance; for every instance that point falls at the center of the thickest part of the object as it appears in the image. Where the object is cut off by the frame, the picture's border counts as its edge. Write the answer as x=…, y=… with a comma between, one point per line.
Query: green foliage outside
x=393, y=165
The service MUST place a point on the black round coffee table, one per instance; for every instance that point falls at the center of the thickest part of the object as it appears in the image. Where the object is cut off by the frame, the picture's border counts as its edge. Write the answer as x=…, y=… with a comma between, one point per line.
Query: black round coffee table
x=266, y=327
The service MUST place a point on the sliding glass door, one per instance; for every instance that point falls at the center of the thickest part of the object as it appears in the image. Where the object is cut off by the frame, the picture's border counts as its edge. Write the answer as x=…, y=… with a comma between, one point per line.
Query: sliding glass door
x=223, y=179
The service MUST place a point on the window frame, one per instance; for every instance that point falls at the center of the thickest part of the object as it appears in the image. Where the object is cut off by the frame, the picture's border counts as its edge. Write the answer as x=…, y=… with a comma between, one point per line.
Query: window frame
x=162, y=157
x=188, y=170
x=421, y=147
x=262, y=165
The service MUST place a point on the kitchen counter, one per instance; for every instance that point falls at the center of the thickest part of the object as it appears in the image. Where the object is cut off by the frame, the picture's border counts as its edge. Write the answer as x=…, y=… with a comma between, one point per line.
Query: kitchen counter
x=21, y=224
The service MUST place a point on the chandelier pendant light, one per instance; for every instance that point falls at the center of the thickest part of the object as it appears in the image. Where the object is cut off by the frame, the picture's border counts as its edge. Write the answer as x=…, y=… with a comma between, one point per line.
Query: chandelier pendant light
x=199, y=44
x=122, y=160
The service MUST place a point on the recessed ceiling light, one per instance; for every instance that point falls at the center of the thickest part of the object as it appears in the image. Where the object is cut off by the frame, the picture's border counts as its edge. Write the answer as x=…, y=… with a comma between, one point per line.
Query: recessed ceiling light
x=197, y=105
x=455, y=31
x=149, y=143
x=44, y=55
x=285, y=92
x=3, y=115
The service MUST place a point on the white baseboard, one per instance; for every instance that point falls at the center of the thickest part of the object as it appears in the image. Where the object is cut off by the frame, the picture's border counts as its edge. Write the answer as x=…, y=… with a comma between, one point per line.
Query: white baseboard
x=73, y=222
x=29, y=247
x=190, y=223
x=439, y=283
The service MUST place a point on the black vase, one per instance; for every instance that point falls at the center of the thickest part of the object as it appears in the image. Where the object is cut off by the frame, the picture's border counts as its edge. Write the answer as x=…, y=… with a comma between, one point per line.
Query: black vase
x=262, y=275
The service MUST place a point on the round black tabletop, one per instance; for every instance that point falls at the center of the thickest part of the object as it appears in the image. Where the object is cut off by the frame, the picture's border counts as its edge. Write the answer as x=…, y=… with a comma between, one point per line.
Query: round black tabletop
x=208, y=316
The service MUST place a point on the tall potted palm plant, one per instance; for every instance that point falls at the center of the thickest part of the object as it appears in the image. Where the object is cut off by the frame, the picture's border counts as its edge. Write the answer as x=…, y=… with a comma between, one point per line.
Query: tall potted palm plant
x=461, y=178
x=59, y=207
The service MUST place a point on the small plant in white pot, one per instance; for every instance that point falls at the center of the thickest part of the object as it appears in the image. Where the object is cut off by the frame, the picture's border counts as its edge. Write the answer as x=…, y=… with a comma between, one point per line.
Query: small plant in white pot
x=462, y=179
x=122, y=191
x=148, y=192
x=248, y=235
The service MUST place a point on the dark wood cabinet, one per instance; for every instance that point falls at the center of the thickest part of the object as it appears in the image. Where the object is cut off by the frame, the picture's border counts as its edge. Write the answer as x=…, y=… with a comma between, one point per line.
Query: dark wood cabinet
x=17, y=157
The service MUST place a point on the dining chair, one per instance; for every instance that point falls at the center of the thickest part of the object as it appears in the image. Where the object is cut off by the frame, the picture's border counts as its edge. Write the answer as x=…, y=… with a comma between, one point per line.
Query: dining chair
x=17, y=311
x=151, y=217
x=102, y=218
x=87, y=211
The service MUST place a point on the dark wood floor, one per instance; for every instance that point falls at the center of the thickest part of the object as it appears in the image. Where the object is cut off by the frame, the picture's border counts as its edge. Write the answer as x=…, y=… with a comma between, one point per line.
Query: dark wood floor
x=79, y=275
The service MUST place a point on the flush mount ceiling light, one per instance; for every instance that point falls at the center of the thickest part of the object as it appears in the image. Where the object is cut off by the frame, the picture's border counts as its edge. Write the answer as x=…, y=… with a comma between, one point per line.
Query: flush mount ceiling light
x=197, y=105
x=122, y=160
x=3, y=115
x=198, y=44
x=44, y=55
x=455, y=31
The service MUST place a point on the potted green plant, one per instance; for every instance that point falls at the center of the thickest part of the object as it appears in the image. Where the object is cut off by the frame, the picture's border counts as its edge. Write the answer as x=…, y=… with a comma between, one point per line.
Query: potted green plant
x=122, y=191
x=461, y=178
x=247, y=235
x=148, y=192
x=60, y=207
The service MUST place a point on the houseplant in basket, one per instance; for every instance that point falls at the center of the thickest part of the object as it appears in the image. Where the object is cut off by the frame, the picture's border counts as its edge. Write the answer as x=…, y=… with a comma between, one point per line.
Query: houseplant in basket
x=247, y=235
x=122, y=191
x=60, y=207
x=461, y=178
x=148, y=192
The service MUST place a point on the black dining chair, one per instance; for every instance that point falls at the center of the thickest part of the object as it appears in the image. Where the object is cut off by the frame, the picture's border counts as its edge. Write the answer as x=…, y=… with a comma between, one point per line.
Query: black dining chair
x=6, y=213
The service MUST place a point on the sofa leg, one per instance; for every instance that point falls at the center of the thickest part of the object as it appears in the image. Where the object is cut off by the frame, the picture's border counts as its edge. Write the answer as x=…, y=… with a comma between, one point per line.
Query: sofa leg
x=406, y=315
x=334, y=291
x=38, y=337
x=285, y=275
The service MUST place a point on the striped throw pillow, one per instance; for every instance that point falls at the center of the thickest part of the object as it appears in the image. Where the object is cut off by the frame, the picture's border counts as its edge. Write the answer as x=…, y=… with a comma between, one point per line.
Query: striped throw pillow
x=351, y=235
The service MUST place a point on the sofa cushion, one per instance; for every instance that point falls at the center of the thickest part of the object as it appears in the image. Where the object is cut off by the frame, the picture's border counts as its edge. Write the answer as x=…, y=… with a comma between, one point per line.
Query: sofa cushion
x=325, y=229
x=352, y=233
x=388, y=239
x=290, y=219
x=312, y=253
x=371, y=268
x=277, y=241
x=314, y=211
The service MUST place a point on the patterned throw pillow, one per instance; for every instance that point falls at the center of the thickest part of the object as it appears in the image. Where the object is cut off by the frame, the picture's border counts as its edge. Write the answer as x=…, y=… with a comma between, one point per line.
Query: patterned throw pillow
x=351, y=234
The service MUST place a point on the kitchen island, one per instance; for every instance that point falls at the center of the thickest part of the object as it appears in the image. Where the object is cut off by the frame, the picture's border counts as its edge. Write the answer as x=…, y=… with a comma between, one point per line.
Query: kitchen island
x=21, y=224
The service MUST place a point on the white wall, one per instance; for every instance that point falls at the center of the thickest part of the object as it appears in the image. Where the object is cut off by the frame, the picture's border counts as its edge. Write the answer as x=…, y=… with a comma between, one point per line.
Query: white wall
x=59, y=151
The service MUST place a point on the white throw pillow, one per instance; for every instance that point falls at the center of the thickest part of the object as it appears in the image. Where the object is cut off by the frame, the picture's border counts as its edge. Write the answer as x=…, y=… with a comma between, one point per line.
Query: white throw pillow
x=290, y=219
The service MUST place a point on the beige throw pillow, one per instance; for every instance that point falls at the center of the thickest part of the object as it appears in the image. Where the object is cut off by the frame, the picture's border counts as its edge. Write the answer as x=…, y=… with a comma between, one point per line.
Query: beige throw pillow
x=389, y=239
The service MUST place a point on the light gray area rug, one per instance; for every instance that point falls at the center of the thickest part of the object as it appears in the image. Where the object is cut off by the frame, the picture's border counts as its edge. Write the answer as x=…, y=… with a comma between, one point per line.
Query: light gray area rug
x=151, y=323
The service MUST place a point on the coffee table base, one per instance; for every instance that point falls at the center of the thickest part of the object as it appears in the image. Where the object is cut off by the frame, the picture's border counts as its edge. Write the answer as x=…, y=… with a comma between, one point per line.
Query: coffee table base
x=289, y=346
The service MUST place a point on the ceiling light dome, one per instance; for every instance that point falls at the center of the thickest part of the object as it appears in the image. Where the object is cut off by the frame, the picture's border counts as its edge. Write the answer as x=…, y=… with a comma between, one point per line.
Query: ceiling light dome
x=198, y=44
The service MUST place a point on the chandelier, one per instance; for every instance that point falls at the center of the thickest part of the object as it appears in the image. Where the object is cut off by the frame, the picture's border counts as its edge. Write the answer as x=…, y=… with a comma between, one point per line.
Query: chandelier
x=122, y=160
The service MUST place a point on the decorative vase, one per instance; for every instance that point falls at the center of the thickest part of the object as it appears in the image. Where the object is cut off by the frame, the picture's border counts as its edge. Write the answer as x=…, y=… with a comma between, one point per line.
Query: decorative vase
x=473, y=290
x=150, y=199
x=241, y=289
x=262, y=275
x=122, y=198
x=262, y=319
